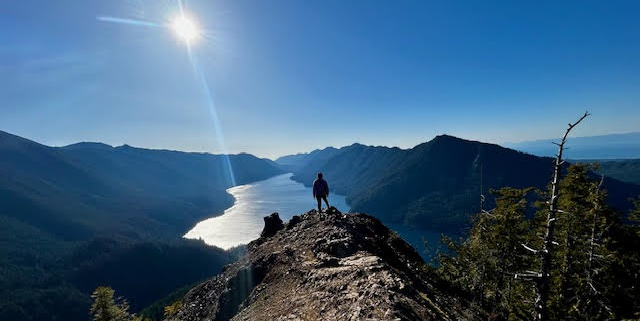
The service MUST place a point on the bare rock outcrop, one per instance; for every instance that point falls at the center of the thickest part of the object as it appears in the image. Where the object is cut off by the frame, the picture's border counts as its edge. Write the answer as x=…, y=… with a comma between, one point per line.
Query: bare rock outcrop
x=324, y=266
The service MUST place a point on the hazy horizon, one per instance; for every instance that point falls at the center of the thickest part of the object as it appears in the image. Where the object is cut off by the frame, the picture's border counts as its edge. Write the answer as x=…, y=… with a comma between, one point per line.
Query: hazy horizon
x=306, y=151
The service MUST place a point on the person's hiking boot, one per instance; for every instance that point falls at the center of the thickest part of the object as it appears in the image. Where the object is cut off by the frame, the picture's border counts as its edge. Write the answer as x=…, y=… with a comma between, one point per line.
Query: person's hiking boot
x=332, y=210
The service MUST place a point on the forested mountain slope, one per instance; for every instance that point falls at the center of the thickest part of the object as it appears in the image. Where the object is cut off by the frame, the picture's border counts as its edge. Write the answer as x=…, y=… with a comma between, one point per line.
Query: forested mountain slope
x=78, y=190
x=626, y=170
x=436, y=185
x=124, y=203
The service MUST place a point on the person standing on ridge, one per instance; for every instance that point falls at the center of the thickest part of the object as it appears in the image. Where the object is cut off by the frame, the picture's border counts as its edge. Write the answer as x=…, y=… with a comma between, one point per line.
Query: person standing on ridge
x=321, y=191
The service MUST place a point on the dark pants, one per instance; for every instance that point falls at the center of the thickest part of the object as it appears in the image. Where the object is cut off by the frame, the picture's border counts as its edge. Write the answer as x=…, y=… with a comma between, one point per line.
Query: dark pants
x=320, y=198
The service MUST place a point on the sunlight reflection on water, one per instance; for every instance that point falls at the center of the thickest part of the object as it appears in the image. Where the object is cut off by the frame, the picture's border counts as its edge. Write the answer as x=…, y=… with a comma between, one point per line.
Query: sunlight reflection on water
x=243, y=222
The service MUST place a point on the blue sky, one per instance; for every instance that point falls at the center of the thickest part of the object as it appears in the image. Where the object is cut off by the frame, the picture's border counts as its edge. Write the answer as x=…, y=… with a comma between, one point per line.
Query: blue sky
x=290, y=76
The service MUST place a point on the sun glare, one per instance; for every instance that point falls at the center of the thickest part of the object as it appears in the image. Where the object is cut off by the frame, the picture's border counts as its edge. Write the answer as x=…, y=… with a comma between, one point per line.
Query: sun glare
x=186, y=29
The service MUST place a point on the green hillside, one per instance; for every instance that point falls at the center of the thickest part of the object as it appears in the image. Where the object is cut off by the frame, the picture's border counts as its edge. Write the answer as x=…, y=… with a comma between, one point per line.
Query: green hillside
x=435, y=185
x=75, y=217
x=626, y=170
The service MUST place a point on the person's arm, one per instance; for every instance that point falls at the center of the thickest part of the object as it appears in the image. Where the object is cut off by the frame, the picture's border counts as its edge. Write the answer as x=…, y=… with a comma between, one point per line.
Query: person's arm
x=313, y=189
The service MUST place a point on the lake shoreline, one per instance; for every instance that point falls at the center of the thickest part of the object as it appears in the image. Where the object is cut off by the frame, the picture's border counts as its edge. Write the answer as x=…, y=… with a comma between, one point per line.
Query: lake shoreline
x=243, y=221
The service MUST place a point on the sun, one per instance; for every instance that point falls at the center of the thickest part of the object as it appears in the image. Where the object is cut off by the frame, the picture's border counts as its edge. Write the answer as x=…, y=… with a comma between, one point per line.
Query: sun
x=186, y=29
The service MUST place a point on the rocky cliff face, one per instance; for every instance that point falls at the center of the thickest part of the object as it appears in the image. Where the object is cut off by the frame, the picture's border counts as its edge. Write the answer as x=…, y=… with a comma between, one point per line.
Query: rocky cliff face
x=324, y=266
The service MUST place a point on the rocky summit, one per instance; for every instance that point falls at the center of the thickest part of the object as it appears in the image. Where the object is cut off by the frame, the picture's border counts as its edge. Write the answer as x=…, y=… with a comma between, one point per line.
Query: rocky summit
x=324, y=266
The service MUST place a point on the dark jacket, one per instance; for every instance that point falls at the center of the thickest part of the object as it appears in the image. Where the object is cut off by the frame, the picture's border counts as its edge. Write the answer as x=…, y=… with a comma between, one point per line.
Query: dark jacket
x=320, y=188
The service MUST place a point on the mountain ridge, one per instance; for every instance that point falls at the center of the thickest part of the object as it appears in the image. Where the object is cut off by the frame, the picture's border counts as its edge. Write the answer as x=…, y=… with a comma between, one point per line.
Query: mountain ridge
x=130, y=206
x=61, y=198
x=436, y=184
x=325, y=266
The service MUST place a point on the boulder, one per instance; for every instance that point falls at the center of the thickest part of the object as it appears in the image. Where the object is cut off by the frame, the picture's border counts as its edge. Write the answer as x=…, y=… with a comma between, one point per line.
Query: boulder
x=272, y=224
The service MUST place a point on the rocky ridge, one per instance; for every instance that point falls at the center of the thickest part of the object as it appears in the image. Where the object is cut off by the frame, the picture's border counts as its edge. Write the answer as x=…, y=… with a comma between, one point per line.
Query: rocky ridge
x=324, y=266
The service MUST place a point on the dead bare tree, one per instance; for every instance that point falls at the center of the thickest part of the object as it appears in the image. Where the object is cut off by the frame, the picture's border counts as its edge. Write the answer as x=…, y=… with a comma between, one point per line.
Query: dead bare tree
x=542, y=284
x=595, y=241
x=592, y=241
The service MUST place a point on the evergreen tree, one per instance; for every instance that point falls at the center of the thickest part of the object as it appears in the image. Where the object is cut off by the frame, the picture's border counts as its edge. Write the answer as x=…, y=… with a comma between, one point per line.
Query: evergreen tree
x=172, y=309
x=487, y=262
x=634, y=215
x=624, y=283
x=106, y=307
x=583, y=249
x=594, y=265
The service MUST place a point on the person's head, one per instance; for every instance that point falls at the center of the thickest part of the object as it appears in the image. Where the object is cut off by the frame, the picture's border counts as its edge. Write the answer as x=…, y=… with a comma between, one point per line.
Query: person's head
x=319, y=175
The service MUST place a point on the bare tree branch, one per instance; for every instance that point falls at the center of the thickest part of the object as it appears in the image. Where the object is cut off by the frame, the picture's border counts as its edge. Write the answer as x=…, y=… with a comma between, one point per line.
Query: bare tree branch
x=528, y=248
x=542, y=286
x=593, y=242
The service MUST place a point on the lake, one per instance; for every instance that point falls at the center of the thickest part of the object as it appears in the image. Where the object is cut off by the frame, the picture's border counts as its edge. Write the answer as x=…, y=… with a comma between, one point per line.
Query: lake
x=243, y=222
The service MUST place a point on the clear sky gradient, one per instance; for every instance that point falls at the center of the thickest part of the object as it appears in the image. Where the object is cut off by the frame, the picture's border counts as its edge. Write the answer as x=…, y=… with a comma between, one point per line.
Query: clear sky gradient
x=289, y=75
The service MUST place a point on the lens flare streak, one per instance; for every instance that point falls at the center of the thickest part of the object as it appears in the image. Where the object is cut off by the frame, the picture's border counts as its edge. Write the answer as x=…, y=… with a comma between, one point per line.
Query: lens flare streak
x=135, y=22
x=204, y=86
x=188, y=31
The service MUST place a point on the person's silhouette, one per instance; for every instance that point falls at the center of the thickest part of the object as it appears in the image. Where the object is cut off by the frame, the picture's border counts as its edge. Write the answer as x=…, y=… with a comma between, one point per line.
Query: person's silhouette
x=321, y=191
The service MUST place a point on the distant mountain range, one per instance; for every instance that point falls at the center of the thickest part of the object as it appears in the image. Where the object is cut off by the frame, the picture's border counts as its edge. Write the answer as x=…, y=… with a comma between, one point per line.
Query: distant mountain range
x=88, y=214
x=613, y=146
x=297, y=161
x=435, y=185
x=78, y=189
